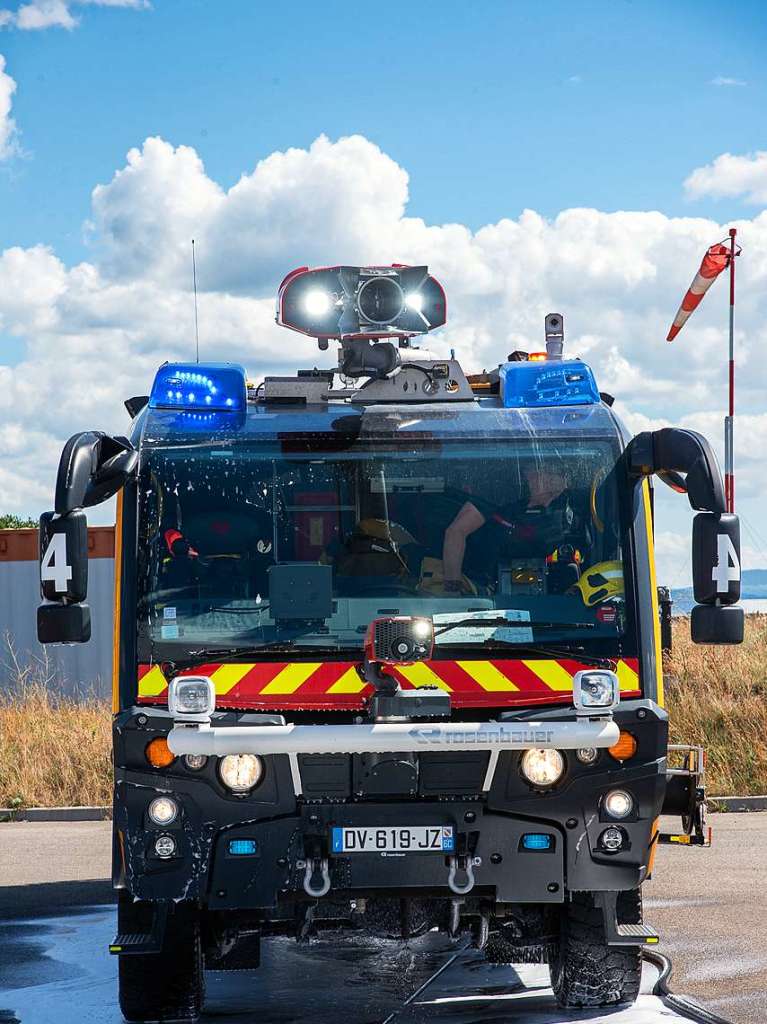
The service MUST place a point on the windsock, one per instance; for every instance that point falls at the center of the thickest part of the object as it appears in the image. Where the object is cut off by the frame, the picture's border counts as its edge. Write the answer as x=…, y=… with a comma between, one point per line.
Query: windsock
x=717, y=258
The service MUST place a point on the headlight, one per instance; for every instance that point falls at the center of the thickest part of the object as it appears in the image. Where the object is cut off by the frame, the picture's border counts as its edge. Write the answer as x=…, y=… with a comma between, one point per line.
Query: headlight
x=618, y=803
x=595, y=691
x=195, y=761
x=542, y=767
x=612, y=839
x=192, y=698
x=240, y=772
x=163, y=810
x=165, y=846
x=587, y=755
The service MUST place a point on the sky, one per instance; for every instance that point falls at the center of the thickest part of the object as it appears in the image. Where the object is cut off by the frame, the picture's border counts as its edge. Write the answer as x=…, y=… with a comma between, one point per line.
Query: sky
x=576, y=157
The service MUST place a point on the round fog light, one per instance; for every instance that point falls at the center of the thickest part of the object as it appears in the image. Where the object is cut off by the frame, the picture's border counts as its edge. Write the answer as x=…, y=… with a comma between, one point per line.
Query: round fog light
x=587, y=755
x=542, y=767
x=195, y=761
x=163, y=810
x=618, y=803
x=611, y=840
x=240, y=772
x=165, y=846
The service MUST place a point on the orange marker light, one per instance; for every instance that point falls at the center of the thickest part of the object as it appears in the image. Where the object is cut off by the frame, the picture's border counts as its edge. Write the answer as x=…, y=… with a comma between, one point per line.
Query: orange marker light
x=537, y=357
x=158, y=753
x=625, y=748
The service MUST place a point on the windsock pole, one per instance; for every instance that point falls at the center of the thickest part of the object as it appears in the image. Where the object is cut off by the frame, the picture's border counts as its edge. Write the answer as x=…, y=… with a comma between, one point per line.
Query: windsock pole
x=729, y=423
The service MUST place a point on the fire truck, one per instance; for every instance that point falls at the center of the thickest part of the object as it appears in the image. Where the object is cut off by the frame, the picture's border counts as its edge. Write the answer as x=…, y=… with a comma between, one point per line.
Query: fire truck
x=387, y=650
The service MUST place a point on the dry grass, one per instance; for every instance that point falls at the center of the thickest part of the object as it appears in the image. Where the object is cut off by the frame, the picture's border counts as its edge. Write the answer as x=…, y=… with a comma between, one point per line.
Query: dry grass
x=717, y=696
x=55, y=751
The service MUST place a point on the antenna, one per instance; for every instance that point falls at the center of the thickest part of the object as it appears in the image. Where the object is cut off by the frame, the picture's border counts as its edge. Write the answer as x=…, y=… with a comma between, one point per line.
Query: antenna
x=196, y=328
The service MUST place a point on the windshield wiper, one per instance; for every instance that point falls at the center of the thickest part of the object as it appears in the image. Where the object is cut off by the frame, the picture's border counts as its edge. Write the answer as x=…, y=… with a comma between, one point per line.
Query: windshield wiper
x=511, y=624
x=547, y=651
x=206, y=654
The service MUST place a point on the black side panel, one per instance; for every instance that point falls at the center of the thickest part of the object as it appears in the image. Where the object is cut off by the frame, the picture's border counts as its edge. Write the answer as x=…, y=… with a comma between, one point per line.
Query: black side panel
x=128, y=653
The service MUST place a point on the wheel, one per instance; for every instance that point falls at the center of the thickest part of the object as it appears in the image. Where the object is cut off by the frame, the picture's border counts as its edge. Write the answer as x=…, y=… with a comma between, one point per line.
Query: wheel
x=164, y=986
x=586, y=971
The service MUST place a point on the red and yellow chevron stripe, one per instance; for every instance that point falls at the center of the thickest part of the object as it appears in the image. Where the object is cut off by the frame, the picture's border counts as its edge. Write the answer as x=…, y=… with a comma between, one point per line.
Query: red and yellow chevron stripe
x=337, y=685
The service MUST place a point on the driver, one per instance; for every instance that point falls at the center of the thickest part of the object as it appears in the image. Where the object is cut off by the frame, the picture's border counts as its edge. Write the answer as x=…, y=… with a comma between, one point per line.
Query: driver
x=536, y=523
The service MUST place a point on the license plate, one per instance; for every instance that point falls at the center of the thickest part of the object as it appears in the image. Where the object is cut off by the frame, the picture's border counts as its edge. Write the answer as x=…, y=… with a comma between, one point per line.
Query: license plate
x=394, y=839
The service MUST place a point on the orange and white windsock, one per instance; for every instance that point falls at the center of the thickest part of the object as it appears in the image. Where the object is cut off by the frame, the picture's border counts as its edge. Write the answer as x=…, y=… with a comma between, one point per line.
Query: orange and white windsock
x=716, y=260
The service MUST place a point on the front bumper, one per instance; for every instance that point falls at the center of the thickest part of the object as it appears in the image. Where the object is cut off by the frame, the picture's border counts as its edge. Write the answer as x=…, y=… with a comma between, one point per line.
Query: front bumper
x=391, y=737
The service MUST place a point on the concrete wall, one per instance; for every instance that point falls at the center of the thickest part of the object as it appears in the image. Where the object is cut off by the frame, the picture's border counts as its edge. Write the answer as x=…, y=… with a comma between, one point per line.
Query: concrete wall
x=77, y=669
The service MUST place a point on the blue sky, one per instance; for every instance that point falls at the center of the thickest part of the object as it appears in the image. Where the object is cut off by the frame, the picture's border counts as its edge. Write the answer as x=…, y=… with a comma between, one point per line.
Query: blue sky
x=492, y=107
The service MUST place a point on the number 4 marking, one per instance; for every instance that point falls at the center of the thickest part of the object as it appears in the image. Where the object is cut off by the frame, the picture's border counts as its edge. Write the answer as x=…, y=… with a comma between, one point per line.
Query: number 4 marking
x=727, y=569
x=54, y=567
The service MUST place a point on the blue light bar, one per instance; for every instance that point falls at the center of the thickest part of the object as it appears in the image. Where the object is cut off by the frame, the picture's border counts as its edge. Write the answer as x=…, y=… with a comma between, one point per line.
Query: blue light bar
x=537, y=841
x=525, y=385
x=200, y=388
x=242, y=847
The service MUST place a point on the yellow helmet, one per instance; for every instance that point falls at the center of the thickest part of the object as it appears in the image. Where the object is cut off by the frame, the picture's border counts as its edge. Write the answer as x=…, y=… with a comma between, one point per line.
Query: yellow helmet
x=600, y=582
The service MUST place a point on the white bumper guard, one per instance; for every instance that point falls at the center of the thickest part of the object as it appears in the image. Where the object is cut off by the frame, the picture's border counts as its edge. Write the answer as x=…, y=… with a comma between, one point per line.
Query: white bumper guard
x=384, y=737
x=192, y=700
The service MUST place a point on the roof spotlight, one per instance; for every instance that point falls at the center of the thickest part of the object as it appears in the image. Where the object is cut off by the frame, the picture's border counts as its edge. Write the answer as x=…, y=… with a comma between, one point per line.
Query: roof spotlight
x=361, y=302
x=317, y=302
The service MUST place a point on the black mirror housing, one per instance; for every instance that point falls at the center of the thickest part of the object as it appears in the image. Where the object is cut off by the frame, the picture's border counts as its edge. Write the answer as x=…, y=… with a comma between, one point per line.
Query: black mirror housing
x=717, y=624
x=63, y=623
x=673, y=451
x=716, y=558
x=63, y=557
x=93, y=467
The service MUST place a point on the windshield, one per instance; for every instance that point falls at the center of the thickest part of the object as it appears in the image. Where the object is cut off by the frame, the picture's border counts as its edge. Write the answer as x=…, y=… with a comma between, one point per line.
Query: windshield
x=252, y=546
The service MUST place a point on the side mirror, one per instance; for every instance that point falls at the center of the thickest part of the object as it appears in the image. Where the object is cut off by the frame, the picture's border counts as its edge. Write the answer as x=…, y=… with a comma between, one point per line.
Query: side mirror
x=717, y=624
x=63, y=618
x=63, y=623
x=716, y=558
x=686, y=462
x=63, y=557
x=93, y=467
x=716, y=577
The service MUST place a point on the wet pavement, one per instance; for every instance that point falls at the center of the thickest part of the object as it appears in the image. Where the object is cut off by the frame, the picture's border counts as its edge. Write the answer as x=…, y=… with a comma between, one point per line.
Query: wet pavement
x=56, y=970
x=709, y=905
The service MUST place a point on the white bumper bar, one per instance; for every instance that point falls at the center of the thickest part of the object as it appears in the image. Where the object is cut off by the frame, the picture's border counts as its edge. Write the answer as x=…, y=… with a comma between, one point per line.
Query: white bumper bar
x=384, y=737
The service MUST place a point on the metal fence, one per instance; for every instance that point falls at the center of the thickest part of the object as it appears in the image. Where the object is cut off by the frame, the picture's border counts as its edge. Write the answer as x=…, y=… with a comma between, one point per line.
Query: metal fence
x=77, y=669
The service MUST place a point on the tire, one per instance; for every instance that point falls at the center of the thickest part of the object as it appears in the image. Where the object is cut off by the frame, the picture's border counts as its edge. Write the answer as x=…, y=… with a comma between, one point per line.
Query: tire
x=165, y=986
x=586, y=971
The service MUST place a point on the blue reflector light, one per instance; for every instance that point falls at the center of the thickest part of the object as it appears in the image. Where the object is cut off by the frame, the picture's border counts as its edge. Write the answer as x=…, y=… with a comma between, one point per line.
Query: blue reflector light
x=537, y=841
x=200, y=388
x=525, y=385
x=242, y=847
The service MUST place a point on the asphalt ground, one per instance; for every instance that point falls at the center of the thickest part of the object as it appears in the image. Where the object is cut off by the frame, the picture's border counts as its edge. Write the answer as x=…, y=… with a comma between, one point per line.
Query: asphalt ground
x=709, y=905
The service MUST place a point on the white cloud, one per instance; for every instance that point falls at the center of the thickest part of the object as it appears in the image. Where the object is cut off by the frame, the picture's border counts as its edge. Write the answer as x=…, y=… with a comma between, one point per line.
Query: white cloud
x=8, y=134
x=722, y=81
x=730, y=176
x=44, y=14
x=41, y=14
x=94, y=334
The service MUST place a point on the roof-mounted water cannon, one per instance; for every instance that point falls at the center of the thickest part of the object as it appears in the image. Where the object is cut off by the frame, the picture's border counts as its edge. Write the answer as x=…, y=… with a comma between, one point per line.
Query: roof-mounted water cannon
x=361, y=303
x=373, y=312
